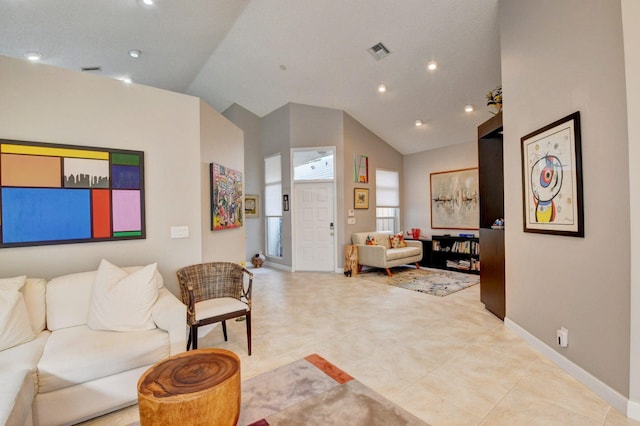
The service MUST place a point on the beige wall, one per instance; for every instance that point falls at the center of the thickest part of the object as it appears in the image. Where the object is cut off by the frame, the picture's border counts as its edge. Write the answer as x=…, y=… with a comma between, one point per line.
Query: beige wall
x=417, y=169
x=222, y=143
x=558, y=58
x=358, y=140
x=47, y=104
x=313, y=127
x=253, y=174
x=630, y=19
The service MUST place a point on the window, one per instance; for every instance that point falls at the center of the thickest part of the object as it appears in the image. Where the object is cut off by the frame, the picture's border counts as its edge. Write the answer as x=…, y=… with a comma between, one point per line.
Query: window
x=387, y=200
x=273, y=204
x=314, y=164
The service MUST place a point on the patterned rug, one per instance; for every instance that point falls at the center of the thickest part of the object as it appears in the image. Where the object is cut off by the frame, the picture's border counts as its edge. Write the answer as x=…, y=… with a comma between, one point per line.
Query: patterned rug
x=436, y=282
x=312, y=391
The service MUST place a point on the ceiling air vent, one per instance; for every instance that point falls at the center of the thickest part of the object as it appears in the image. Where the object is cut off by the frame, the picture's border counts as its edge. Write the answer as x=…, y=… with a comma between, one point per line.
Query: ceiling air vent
x=90, y=69
x=379, y=51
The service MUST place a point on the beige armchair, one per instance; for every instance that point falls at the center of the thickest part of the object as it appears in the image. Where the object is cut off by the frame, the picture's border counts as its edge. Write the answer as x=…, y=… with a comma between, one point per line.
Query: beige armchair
x=382, y=255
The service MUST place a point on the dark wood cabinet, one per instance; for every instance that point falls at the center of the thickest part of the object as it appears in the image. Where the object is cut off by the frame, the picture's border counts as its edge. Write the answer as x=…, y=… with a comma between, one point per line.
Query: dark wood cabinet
x=426, y=252
x=491, y=187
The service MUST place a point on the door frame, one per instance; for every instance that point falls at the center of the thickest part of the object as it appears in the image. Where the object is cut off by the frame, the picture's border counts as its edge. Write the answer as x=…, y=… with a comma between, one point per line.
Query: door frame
x=294, y=230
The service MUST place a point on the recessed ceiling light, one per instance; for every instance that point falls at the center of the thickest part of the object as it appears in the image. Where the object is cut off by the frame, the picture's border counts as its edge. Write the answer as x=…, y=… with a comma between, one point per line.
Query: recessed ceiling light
x=148, y=2
x=33, y=56
x=431, y=66
x=126, y=80
x=382, y=88
x=419, y=123
x=468, y=108
x=135, y=53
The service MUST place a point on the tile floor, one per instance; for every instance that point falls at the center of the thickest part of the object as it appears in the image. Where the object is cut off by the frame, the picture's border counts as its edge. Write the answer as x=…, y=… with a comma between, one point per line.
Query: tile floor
x=446, y=360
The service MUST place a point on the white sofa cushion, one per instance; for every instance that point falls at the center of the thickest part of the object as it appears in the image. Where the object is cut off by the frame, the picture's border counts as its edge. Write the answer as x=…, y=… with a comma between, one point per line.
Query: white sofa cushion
x=15, y=325
x=121, y=301
x=78, y=354
x=25, y=356
x=16, y=396
x=214, y=307
x=34, y=292
x=68, y=298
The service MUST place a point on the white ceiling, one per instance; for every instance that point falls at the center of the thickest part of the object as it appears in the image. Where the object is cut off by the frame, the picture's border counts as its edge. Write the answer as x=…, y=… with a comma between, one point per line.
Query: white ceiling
x=262, y=54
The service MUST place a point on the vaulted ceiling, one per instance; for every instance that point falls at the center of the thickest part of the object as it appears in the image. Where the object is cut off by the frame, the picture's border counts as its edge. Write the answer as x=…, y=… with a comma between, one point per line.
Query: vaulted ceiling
x=262, y=54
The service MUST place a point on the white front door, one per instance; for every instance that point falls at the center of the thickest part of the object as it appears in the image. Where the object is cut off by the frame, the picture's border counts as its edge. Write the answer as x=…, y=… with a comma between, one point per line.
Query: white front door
x=314, y=226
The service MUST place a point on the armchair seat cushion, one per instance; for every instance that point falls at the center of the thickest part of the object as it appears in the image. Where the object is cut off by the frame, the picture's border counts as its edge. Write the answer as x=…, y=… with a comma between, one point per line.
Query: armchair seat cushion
x=214, y=307
x=79, y=354
x=401, y=253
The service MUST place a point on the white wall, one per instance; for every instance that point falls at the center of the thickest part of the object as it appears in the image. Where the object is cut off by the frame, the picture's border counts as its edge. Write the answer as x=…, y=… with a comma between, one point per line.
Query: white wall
x=417, y=169
x=47, y=104
x=558, y=58
x=630, y=19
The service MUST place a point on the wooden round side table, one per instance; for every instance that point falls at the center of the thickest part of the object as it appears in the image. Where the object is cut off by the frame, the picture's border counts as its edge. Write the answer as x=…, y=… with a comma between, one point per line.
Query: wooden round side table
x=199, y=387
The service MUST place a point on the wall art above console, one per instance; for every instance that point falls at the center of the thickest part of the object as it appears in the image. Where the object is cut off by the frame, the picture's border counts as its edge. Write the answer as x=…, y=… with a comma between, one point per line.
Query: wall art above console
x=61, y=194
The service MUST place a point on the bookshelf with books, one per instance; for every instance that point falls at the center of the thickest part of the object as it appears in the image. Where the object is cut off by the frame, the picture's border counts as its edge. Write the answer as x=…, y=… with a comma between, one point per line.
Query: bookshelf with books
x=460, y=254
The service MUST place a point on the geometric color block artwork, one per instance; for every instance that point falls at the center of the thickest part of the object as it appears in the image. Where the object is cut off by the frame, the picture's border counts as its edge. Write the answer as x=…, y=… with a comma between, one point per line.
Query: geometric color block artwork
x=60, y=194
x=226, y=197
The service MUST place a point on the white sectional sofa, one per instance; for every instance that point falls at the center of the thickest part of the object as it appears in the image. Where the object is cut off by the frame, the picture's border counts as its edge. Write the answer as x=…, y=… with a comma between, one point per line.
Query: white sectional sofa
x=381, y=254
x=70, y=372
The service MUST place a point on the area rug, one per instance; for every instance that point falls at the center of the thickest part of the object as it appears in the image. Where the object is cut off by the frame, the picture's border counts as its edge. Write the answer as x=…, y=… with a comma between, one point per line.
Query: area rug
x=436, y=282
x=311, y=392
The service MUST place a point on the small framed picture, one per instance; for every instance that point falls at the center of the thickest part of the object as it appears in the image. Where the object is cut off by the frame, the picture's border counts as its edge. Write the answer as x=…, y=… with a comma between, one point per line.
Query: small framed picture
x=251, y=206
x=360, y=198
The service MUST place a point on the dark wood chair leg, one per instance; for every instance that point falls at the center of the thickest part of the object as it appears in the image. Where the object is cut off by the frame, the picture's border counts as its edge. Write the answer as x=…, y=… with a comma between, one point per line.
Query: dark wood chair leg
x=194, y=337
x=248, y=319
x=189, y=339
x=224, y=330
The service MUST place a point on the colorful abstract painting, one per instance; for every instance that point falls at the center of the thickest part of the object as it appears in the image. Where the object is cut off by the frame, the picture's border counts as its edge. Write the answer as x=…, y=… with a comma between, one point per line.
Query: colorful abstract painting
x=552, y=179
x=58, y=194
x=455, y=202
x=226, y=197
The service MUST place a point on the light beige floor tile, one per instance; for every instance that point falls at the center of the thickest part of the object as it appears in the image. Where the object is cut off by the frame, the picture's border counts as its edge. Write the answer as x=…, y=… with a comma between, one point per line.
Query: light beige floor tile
x=523, y=408
x=432, y=406
x=616, y=418
x=550, y=383
x=445, y=359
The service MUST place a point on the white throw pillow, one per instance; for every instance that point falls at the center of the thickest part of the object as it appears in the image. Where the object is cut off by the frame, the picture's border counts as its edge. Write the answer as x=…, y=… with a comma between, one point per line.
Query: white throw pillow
x=122, y=301
x=15, y=327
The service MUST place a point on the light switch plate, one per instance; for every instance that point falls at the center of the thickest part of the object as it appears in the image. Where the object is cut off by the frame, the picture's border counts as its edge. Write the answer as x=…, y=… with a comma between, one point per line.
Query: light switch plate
x=179, y=232
x=351, y=220
x=351, y=213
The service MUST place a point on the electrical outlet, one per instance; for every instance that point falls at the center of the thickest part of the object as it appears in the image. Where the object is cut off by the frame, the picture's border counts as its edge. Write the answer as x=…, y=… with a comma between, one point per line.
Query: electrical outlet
x=563, y=337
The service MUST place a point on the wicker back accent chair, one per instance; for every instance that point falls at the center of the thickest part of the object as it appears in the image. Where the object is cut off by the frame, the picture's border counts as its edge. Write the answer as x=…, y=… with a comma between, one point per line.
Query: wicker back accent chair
x=215, y=292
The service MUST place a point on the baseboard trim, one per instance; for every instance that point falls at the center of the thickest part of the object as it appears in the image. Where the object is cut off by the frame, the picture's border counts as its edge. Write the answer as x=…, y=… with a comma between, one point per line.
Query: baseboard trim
x=604, y=391
x=633, y=410
x=278, y=266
